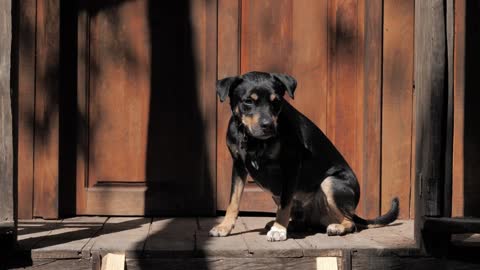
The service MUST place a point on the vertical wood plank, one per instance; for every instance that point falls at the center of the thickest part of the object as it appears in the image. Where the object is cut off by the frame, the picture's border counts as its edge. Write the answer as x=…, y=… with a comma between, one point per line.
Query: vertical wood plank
x=7, y=184
x=413, y=167
x=266, y=34
x=459, y=111
x=431, y=108
x=26, y=110
x=309, y=58
x=342, y=95
x=119, y=68
x=46, y=109
x=83, y=55
x=348, y=116
x=364, y=48
x=369, y=105
x=397, y=103
x=228, y=62
x=204, y=22
x=447, y=188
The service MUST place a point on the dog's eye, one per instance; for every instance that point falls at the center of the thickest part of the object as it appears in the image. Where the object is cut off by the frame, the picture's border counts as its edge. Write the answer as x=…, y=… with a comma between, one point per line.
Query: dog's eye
x=248, y=101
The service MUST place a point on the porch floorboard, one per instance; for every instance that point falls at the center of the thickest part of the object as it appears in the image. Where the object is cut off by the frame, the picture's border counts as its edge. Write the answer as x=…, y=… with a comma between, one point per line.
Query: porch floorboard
x=83, y=237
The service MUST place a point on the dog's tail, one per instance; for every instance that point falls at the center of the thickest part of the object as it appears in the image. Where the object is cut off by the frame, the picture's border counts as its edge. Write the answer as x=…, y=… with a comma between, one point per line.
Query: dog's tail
x=380, y=221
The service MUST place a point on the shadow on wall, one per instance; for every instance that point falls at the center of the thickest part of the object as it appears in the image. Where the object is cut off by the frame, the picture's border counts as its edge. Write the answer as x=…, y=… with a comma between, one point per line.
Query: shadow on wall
x=472, y=111
x=176, y=147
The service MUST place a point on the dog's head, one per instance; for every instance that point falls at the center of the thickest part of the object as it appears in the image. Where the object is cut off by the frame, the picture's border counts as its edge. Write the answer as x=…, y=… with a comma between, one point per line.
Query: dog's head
x=256, y=99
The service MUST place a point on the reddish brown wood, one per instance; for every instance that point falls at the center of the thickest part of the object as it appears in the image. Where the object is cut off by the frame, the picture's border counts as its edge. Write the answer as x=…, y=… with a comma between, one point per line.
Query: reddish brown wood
x=204, y=22
x=309, y=58
x=266, y=36
x=364, y=87
x=82, y=113
x=397, y=103
x=228, y=65
x=119, y=94
x=458, y=202
x=352, y=106
x=342, y=94
x=148, y=106
x=369, y=103
x=46, y=151
x=26, y=110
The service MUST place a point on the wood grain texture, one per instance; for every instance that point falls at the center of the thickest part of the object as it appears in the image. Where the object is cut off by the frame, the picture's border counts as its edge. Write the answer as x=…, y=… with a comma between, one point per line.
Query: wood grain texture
x=430, y=52
x=353, y=103
x=368, y=125
x=458, y=202
x=397, y=104
x=207, y=64
x=26, y=110
x=309, y=59
x=120, y=93
x=448, y=169
x=228, y=65
x=7, y=181
x=83, y=54
x=342, y=86
x=431, y=90
x=224, y=263
x=47, y=87
x=149, y=70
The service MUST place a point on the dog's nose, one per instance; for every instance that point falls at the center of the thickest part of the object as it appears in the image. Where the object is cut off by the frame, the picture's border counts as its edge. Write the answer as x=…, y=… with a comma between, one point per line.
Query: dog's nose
x=266, y=123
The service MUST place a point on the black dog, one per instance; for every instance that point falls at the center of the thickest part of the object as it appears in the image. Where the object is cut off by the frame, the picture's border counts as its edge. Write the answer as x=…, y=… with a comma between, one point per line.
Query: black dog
x=287, y=155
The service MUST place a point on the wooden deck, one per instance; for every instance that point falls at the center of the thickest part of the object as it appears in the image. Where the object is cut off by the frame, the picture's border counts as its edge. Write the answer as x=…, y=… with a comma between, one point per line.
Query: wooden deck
x=150, y=243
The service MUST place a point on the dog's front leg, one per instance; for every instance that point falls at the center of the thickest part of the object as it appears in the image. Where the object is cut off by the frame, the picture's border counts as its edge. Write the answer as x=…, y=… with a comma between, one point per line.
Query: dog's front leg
x=239, y=176
x=278, y=231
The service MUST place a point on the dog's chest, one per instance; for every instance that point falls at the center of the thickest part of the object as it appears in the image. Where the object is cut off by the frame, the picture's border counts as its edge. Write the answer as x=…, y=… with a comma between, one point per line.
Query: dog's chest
x=262, y=163
x=261, y=153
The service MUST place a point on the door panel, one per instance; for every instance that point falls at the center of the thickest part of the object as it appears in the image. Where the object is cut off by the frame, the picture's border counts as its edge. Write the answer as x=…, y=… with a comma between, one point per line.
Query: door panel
x=120, y=94
x=146, y=145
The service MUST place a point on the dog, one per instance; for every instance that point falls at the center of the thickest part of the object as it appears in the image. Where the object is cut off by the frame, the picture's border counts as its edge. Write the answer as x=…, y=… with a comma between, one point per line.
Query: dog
x=288, y=156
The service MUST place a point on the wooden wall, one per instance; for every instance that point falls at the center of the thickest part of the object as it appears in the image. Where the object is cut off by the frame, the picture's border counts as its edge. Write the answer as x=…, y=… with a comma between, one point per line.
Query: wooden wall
x=354, y=63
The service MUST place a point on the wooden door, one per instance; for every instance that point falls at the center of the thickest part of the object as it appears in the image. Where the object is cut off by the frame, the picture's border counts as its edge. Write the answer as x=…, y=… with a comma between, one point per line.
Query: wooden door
x=320, y=43
x=144, y=117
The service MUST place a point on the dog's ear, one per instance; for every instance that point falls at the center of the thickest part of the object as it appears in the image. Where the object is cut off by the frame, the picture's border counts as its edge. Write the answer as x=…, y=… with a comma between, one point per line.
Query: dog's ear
x=288, y=81
x=224, y=86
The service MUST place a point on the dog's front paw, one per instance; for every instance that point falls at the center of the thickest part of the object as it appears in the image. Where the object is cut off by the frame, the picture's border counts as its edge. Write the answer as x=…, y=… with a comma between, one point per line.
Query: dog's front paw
x=335, y=229
x=220, y=230
x=277, y=233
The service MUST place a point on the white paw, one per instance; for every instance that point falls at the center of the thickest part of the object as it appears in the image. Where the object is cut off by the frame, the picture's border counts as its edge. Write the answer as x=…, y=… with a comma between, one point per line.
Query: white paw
x=335, y=229
x=277, y=234
x=220, y=231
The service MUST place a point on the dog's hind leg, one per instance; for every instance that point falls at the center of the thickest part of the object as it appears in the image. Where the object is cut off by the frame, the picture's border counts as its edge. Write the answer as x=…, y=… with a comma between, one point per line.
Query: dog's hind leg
x=335, y=206
x=346, y=226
